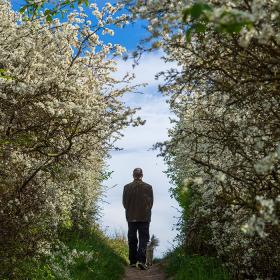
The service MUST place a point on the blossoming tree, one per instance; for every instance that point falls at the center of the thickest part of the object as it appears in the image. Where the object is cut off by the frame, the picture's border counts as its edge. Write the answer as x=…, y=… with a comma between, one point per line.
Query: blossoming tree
x=60, y=114
x=224, y=150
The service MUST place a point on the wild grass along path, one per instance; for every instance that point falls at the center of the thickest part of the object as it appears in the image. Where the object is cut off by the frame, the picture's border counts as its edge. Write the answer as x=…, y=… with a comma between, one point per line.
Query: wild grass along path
x=154, y=273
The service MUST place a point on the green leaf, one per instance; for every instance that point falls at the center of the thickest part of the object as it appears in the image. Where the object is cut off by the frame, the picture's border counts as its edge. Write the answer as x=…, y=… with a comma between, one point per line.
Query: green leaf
x=200, y=28
x=22, y=9
x=49, y=18
x=189, y=35
x=186, y=13
x=198, y=9
x=235, y=25
x=3, y=74
x=233, y=28
x=47, y=12
x=63, y=12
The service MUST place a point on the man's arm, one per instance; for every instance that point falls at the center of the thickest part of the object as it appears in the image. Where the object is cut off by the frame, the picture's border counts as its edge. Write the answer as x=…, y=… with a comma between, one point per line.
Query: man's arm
x=124, y=197
x=152, y=197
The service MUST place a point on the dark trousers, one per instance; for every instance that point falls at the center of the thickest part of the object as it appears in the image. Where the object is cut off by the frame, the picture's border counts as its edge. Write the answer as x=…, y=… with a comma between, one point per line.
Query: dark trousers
x=137, y=252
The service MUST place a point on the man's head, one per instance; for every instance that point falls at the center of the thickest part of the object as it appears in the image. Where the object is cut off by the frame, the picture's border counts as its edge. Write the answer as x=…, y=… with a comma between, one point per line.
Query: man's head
x=137, y=173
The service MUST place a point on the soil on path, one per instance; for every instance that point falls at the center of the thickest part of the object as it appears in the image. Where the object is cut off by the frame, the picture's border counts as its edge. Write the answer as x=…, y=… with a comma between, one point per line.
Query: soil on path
x=153, y=273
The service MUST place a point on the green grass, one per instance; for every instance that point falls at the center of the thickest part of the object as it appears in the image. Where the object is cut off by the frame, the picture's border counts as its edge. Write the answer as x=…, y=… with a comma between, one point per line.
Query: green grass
x=107, y=263
x=109, y=256
x=184, y=267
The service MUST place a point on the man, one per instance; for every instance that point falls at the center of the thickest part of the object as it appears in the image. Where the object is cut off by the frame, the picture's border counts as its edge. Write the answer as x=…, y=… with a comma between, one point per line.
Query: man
x=138, y=202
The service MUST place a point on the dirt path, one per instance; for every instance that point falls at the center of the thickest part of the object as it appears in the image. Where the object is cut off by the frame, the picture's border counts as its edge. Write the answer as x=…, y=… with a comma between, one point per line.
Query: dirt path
x=154, y=273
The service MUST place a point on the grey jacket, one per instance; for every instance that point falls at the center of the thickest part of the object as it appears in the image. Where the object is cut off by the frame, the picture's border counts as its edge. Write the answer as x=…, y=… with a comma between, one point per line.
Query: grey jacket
x=138, y=201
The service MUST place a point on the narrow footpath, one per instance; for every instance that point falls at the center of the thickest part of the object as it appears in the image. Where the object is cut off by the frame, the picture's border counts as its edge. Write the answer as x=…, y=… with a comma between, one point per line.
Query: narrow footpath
x=154, y=273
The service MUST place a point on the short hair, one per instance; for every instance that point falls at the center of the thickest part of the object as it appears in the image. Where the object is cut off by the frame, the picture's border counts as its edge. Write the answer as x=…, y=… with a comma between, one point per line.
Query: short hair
x=137, y=173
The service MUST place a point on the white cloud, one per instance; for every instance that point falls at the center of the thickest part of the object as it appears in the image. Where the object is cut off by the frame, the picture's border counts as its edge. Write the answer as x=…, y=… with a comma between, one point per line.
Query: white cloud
x=136, y=144
x=149, y=66
x=155, y=112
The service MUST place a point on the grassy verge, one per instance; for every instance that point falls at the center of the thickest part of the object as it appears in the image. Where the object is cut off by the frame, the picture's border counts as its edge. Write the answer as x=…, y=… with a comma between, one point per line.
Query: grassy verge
x=83, y=256
x=184, y=267
x=109, y=255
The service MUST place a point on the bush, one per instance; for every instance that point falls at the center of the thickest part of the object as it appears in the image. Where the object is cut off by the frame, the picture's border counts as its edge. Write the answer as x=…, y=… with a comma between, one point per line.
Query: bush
x=183, y=267
x=225, y=138
x=59, y=117
x=80, y=255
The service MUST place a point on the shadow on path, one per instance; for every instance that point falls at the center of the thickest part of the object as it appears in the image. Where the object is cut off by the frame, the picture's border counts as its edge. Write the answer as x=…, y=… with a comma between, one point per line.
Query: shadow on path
x=154, y=273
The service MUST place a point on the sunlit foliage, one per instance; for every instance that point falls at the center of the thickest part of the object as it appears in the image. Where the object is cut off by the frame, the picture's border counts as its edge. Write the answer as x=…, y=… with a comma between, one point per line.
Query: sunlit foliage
x=224, y=151
x=60, y=113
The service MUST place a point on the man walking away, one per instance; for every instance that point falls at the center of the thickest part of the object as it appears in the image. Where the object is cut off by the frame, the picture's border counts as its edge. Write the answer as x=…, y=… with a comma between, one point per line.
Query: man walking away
x=138, y=202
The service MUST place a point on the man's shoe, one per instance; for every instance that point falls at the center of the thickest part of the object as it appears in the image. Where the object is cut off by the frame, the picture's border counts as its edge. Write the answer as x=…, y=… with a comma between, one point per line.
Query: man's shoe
x=132, y=265
x=141, y=266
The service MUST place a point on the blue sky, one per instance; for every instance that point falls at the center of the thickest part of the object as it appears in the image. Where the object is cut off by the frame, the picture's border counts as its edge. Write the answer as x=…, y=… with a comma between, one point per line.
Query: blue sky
x=129, y=36
x=137, y=143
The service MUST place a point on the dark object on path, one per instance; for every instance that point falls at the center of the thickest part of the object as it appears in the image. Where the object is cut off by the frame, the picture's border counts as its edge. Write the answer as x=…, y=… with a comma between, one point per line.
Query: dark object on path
x=150, y=250
x=141, y=266
x=138, y=202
